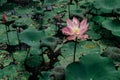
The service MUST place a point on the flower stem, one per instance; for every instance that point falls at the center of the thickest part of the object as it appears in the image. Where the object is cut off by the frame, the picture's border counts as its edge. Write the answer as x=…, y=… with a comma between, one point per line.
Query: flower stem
x=7, y=35
x=75, y=49
x=28, y=53
x=42, y=53
x=18, y=38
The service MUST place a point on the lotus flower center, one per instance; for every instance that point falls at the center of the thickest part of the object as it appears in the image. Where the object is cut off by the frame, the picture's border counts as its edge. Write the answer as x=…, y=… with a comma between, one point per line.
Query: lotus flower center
x=76, y=30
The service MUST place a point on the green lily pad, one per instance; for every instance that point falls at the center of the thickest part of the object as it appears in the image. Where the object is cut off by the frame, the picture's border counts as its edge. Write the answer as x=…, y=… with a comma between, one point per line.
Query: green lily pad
x=2, y=33
x=98, y=19
x=31, y=37
x=50, y=1
x=112, y=25
x=116, y=33
x=113, y=53
x=83, y=47
x=45, y=75
x=3, y=1
x=1, y=74
x=93, y=35
x=20, y=25
x=50, y=42
x=107, y=4
x=35, y=50
x=8, y=70
x=104, y=43
x=20, y=56
x=4, y=61
x=24, y=20
x=13, y=39
x=51, y=30
x=34, y=61
x=23, y=76
x=76, y=12
x=7, y=61
x=92, y=67
x=117, y=10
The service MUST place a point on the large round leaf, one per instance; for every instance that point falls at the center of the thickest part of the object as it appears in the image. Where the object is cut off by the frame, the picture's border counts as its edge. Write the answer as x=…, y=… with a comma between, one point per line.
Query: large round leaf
x=19, y=56
x=93, y=35
x=76, y=12
x=51, y=30
x=107, y=4
x=83, y=47
x=116, y=33
x=50, y=1
x=98, y=19
x=12, y=36
x=8, y=70
x=112, y=25
x=31, y=36
x=35, y=50
x=1, y=74
x=3, y=1
x=45, y=75
x=7, y=61
x=25, y=20
x=50, y=42
x=34, y=61
x=92, y=67
x=2, y=33
x=113, y=53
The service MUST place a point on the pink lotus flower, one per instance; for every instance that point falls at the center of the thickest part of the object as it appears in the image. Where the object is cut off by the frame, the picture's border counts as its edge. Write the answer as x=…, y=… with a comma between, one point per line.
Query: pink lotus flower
x=76, y=29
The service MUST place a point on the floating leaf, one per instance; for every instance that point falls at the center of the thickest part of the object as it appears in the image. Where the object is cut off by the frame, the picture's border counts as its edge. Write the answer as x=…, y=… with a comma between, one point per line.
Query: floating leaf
x=98, y=19
x=7, y=61
x=92, y=67
x=50, y=42
x=12, y=37
x=45, y=75
x=34, y=61
x=24, y=20
x=20, y=56
x=51, y=30
x=93, y=35
x=113, y=26
x=107, y=4
x=34, y=50
x=20, y=25
x=50, y=1
x=3, y=1
x=1, y=74
x=31, y=36
x=8, y=70
x=113, y=53
x=76, y=12
x=116, y=33
x=83, y=47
